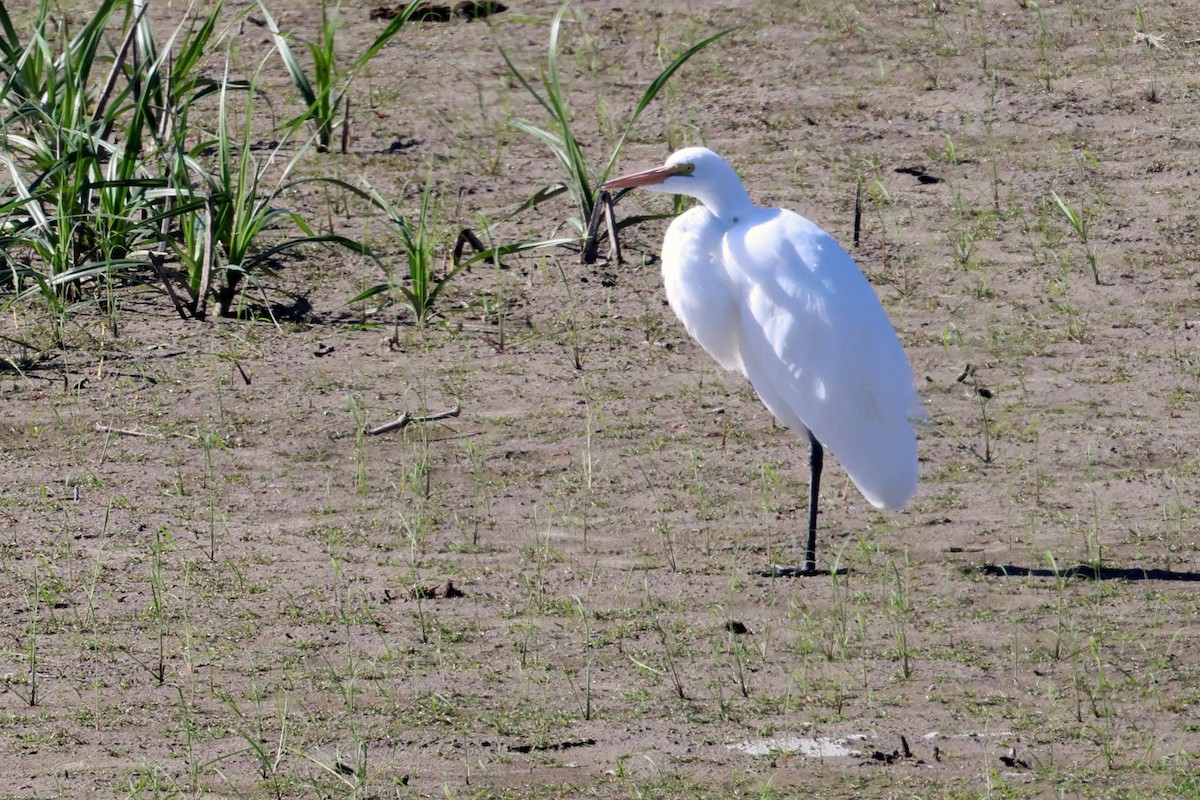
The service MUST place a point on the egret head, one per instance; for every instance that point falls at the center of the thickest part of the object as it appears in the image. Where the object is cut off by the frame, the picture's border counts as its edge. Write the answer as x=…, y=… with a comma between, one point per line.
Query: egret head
x=697, y=172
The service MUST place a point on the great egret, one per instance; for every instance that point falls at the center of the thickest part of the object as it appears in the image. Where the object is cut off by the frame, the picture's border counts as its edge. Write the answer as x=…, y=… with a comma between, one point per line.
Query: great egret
x=769, y=294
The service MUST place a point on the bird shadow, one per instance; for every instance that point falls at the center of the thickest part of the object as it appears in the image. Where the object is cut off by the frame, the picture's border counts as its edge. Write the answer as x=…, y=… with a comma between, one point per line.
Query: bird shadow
x=1084, y=571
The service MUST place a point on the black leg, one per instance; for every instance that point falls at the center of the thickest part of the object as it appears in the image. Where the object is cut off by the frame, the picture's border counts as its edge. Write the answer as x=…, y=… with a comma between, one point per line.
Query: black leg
x=816, y=460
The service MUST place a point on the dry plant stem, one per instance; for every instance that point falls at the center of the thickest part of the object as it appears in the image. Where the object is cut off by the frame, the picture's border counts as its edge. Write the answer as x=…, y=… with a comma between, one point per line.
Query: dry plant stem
x=466, y=236
x=611, y=222
x=591, y=246
x=210, y=257
x=857, y=212
x=111, y=83
x=404, y=420
x=346, y=127
x=127, y=431
x=158, y=261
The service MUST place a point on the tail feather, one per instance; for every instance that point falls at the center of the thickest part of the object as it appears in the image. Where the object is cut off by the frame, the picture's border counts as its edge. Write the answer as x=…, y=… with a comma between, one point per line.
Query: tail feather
x=882, y=463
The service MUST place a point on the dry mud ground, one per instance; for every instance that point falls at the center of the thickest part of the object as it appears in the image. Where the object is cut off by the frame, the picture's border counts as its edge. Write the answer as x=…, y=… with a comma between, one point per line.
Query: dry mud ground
x=231, y=603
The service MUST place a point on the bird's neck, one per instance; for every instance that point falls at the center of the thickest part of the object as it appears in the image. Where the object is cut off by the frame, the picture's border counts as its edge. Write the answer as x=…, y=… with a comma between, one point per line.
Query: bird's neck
x=728, y=201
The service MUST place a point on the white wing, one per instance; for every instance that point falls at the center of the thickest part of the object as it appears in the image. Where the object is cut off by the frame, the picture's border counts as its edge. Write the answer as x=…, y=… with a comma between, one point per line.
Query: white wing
x=817, y=345
x=699, y=288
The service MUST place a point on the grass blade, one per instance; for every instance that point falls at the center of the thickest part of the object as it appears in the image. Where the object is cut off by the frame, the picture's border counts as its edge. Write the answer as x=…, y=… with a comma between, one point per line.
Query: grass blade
x=652, y=91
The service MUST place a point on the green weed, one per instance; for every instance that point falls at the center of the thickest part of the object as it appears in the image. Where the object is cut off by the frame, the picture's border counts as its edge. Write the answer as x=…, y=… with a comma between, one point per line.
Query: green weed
x=579, y=180
x=324, y=93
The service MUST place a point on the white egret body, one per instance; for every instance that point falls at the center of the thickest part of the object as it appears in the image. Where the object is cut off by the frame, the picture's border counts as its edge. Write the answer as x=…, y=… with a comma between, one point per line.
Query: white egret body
x=769, y=294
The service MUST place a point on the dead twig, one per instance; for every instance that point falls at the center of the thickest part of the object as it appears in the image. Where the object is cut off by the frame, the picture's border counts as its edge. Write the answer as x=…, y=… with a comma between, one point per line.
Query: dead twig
x=858, y=205
x=602, y=210
x=403, y=421
x=406, y=419
x=127, y=432
x=466, y=236
x=158, y=261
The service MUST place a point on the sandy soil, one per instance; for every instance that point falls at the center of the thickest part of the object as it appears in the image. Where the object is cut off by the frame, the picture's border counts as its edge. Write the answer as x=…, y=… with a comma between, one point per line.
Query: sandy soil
x=209, y=591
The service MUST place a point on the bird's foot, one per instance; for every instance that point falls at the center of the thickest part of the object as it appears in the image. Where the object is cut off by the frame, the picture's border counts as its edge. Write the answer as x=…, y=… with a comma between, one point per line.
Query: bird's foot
x=785, y=571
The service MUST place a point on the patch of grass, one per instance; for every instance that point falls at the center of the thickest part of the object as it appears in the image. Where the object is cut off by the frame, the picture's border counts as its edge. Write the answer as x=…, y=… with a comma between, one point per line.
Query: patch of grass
x=105, y=173
x=421, y=242
x=241, y=208
x=324, y=92
x=280, y=614
x=580, y=180
x=1076, y=218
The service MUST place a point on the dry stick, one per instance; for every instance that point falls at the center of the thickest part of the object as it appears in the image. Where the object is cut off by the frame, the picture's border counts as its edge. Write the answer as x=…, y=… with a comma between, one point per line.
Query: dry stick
x=591, y=243
x=245, y=376
x=127, y=432
x=144, y=434
x=111, y=83
x=406, y=419
x=610, y=221
x=157, y=261
x=603, y=208
x=857, y=211
x=403, y=421
x=466, y=237
x=270, y=313
x=210, y=259
x=346, y=125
